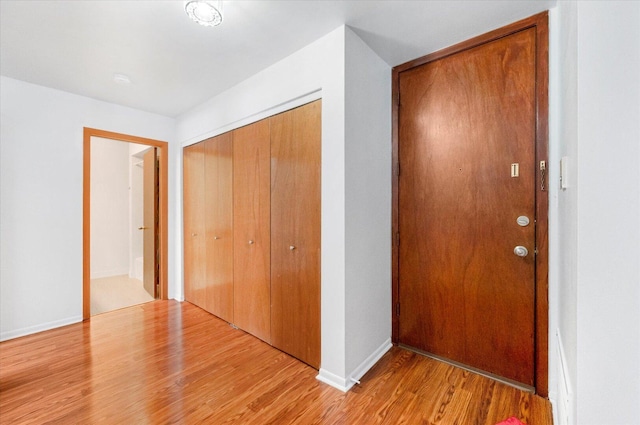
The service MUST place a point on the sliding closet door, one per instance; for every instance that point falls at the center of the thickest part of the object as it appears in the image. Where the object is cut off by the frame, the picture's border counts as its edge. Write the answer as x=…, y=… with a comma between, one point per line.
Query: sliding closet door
x=295, y=232
x=194, y=229
x=251, y=224
x=218, y=197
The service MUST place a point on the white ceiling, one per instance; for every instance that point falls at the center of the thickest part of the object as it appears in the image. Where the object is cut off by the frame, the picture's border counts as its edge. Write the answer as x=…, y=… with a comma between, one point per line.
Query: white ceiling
x=175, y=64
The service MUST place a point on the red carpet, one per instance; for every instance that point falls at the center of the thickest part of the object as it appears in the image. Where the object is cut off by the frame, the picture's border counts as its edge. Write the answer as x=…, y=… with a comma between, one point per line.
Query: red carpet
x=511, y=421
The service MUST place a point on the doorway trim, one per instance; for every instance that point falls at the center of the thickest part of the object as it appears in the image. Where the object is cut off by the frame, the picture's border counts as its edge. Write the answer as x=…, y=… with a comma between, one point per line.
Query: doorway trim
x=163, y=227
x=540, y=23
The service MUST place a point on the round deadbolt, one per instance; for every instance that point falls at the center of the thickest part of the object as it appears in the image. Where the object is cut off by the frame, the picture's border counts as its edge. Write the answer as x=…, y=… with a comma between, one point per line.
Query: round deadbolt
x=523, y=220
x=520, y=251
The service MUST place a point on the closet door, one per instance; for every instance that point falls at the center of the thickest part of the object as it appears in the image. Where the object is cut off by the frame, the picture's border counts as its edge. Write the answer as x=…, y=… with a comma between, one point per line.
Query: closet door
x=218, y=198
x=295, y=232
x=194, y=229
x=251, y=221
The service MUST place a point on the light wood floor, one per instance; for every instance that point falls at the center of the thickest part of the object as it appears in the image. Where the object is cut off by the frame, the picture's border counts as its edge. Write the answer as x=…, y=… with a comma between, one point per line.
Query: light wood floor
x=170, y=362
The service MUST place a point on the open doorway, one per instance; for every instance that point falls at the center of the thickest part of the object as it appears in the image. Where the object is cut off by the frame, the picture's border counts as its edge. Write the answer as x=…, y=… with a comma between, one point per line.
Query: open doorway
x=125, y=221
x=124, y=225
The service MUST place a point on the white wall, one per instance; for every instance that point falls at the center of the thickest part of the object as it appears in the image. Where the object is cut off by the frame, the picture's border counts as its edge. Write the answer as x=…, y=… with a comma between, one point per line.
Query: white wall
x=368, y=206
x=563, y=215
x=41, y=199
x=109, y=208
x=595, y=237
x=608, y=212
x=317, y=71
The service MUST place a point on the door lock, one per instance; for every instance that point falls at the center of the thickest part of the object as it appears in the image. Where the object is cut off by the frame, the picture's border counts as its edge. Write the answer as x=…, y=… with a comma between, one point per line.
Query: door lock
x=521, y=251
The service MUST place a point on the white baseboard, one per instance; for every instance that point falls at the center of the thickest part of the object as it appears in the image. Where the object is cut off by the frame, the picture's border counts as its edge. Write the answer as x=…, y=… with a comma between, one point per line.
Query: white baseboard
x=109, y=273
x=345, y=384
x=370, y=361
x=4, y=336
x=564, y=394
x=334, y=380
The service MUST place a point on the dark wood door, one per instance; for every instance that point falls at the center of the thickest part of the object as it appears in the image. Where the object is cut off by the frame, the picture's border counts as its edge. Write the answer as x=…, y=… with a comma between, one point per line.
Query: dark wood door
x=295, y=232
x=464, y=120
x=251, y=229
x=218, y=199
x=150, y=190
x=194, y=229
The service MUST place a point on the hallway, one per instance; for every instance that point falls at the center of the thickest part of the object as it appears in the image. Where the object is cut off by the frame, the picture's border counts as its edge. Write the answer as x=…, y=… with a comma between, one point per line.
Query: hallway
x=171, y=362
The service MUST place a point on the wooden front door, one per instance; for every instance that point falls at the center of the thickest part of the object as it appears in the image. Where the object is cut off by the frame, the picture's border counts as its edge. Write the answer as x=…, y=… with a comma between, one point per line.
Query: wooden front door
x=150, y=220
x=466, y=187
x=295, y=232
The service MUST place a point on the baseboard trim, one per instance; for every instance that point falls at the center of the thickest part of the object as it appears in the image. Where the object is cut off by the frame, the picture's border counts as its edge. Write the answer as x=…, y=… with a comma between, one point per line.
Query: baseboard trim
x=17, y=333
x=564, y=401
x=109, y=273
x=370, y=361
x=332, y=379
x=345, y=384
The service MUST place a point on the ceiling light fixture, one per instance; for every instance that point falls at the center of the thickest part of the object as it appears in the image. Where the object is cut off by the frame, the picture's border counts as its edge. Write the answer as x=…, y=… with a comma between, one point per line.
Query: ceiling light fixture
x=206, y=13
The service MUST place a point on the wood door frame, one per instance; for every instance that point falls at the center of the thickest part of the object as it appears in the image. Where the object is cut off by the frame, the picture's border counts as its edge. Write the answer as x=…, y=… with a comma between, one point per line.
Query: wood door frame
x=163, y=223
x=541, y=337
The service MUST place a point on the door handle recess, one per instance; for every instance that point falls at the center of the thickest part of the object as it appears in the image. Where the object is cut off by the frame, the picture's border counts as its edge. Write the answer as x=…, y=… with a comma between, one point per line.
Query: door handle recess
x=521, y=251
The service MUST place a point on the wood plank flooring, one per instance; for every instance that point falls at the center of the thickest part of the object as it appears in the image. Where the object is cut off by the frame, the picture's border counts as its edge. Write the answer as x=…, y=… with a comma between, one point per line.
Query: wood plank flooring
x=168, y=362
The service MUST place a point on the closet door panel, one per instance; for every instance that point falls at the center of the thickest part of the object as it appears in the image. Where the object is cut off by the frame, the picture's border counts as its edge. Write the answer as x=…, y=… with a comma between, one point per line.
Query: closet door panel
x=219, y=225
x=295, y=232
x=251, y=210
x=194, y=229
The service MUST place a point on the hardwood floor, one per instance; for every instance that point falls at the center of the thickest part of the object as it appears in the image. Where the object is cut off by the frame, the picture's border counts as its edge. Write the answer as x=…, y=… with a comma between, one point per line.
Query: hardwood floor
x=170, y=362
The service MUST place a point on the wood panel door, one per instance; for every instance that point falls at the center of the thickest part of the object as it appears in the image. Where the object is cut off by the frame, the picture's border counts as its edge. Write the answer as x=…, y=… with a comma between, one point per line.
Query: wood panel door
x=150, y=192
x=218, y=197
x=194, y=229
x=467, y=137
x=295, y=232
x=251, y=229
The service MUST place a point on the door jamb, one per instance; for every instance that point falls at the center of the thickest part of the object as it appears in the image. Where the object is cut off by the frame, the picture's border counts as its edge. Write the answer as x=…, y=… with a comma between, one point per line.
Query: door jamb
x=163, y=226
x=541, y=337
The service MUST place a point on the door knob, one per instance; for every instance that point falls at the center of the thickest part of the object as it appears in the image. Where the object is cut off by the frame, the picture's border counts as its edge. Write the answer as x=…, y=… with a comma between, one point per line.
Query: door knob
x=216, y=237
x=142, y=228
x=250, y=242
x=520, y=251
x=292, y=247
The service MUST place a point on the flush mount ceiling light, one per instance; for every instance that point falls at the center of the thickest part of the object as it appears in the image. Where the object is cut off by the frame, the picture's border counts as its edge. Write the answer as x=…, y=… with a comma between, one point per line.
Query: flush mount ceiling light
x=206, y=13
